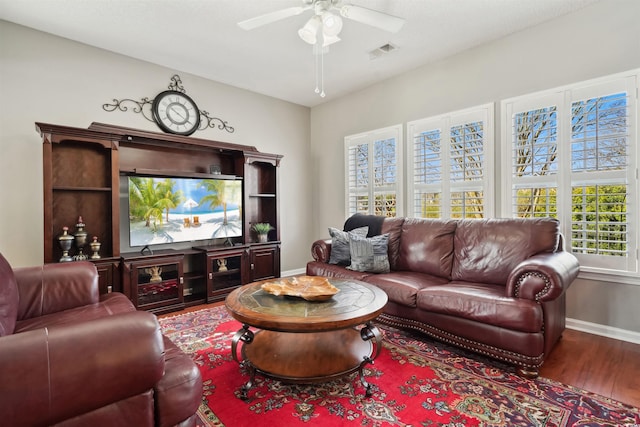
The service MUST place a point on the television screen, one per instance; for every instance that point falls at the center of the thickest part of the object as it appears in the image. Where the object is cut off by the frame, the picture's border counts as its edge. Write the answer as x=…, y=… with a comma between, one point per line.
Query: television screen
x=172, y=209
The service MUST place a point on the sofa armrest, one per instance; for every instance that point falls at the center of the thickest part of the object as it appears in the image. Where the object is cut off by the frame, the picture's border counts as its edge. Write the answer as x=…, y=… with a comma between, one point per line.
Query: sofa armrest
x=51, y=288
x=51, y=374
x=321, y=250
x=543, y=277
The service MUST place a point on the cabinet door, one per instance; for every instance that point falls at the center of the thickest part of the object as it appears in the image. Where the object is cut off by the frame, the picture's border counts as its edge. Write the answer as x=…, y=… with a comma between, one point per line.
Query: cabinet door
x=108, y=276
x=265, y=262
x=156, y=284
x=225, y=272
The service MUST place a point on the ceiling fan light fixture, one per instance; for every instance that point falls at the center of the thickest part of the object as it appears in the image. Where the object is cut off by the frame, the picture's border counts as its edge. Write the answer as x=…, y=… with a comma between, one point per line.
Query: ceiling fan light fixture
x=329, y=40
x=326, y=23
x=309, y=32
x=331, y=24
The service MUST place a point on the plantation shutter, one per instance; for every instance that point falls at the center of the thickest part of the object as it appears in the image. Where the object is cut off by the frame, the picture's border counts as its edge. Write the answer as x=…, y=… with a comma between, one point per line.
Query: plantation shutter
x=534, y=157
x=450, y=162
x=603, y=184
x=572, y=158
x=374, y=172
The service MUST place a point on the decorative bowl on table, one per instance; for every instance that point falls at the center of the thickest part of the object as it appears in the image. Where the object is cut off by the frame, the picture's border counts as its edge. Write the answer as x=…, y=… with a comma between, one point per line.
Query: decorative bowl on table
x=310, y=288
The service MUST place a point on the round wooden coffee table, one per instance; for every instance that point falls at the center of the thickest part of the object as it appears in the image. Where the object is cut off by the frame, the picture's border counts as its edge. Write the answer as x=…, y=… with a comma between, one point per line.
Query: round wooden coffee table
x=306, y=341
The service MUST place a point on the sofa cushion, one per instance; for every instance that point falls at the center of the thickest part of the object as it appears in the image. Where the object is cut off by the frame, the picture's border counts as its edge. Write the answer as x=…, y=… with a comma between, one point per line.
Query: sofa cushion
x=319, y=268
x=486, y=251
x=340, y=252
x=8, y=298
x=393, y=227
x=508, y=345
x=482, y=303
x=426, y=246
x=109, y=305
x=369, y=254
x=402, y=286
x=39, y=287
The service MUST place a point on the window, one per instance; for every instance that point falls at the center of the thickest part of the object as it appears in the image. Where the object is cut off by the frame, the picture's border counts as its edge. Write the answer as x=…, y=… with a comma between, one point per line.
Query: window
x=449, y=166
x=572, y=156
x=374, y=172
x=570, y=153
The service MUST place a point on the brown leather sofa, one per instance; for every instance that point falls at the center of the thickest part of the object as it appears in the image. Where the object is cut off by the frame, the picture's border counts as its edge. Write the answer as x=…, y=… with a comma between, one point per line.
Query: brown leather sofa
x=493, y=286
x=72, y=357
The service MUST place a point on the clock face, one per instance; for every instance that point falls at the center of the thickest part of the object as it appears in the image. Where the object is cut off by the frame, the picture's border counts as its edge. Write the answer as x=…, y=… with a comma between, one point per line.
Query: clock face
x=175, y=112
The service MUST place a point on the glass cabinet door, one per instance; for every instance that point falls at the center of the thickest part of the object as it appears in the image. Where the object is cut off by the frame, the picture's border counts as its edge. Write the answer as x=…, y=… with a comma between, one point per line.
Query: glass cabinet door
x=225, y=272
x=156, y=283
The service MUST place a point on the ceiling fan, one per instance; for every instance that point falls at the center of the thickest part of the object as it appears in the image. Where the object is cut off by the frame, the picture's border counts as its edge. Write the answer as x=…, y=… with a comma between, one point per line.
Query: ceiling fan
x=325, y=22
x=322, y=29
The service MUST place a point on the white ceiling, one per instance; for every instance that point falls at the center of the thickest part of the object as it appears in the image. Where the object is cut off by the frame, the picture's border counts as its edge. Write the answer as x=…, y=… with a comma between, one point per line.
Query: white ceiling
x=201, y=37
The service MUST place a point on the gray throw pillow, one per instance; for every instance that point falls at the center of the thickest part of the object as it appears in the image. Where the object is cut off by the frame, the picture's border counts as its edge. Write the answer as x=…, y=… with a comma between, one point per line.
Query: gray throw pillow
x=340, y=252
x=369, y=254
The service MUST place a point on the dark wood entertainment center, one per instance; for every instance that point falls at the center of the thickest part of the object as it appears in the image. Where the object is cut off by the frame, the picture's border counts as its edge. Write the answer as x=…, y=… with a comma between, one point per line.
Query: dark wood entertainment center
x=82, y=170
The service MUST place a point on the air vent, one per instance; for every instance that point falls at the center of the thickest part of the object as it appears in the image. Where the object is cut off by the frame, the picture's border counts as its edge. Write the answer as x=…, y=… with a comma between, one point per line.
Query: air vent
x=382, y=50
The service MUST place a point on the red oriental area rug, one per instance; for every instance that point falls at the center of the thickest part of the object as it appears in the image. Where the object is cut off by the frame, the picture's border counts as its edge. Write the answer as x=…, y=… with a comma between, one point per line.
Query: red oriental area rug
x=415, y=382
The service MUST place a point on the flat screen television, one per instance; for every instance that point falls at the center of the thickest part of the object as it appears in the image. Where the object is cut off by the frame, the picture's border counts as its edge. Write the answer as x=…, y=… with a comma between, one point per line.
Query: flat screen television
x=165, y=210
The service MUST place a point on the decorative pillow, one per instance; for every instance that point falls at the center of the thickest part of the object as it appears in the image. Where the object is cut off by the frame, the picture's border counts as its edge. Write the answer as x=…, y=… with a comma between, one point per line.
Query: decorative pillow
x=340, y=253
x=358, y=220
x=369, y=254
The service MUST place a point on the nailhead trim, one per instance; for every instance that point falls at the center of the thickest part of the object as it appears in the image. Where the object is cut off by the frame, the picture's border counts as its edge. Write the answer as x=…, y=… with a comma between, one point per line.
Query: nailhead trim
x=545, y=279
x=487, y=350
x=319, y=253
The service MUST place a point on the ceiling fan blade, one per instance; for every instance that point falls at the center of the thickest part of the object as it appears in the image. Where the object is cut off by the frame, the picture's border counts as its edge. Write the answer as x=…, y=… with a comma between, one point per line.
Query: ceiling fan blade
x=371, y=17
x=270, y=17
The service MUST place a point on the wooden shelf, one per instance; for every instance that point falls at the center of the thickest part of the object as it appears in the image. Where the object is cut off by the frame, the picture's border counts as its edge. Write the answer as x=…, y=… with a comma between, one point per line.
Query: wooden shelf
x=84, y=174
x=230, y=272
x=193, y=275
x=70, y=188
x=178, y=173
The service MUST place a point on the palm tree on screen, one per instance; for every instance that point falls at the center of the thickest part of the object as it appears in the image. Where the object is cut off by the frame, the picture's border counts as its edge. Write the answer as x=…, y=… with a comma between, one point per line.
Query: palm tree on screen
x=169, y=198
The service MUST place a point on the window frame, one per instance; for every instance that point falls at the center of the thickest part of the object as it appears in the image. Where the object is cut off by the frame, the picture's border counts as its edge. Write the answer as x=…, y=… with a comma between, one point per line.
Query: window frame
x=596, y=267
x=499, y=178
x=446, y=122
x=370, y=138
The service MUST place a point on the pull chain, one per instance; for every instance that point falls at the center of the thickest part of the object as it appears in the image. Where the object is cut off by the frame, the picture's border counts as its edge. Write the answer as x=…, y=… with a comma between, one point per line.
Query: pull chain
x=318, y=51
x=322, y=95
x=315, y=57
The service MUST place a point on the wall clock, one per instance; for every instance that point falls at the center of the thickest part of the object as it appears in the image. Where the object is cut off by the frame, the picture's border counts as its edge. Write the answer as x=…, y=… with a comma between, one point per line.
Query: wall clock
x=175, y=112
x=172, y=110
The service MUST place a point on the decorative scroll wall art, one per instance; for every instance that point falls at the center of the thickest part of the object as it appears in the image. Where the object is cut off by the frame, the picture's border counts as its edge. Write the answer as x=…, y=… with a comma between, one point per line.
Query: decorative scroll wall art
x=144, y=107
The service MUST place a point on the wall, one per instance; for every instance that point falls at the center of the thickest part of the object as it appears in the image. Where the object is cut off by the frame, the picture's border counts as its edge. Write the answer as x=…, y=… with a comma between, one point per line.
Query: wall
x=48, y=79
x=596, y=41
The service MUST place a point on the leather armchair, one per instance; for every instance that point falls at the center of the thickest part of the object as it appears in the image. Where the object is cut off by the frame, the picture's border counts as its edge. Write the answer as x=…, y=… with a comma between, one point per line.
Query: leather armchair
x=69, y=356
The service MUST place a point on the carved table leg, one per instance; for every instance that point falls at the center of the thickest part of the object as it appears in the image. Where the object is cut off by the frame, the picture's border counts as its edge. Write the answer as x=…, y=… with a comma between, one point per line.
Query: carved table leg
x=244, y=390
x=368, y=332
x=246, y=336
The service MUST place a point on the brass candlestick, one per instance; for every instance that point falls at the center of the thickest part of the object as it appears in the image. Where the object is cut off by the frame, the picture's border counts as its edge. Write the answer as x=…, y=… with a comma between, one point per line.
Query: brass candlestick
x=65, y=240
x=81, y=240
x=95, y=247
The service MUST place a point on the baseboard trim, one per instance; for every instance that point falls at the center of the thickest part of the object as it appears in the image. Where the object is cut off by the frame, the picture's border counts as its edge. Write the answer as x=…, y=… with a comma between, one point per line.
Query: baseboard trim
x=604, y=330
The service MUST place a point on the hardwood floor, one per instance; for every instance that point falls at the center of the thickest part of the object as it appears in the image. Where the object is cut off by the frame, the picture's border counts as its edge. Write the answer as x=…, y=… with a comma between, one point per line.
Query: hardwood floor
x=605, y=366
